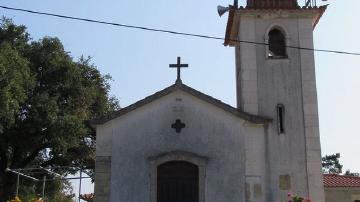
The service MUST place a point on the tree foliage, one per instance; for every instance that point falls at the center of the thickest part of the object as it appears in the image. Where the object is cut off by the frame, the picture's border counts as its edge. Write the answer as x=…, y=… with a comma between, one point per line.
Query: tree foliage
x=15, y=81
x=331, y=164
x=354, y=174
x=46, y=99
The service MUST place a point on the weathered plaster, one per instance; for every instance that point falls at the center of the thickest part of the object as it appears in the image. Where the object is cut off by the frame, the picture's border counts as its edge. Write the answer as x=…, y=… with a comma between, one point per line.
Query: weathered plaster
x=342, y=194
x=210, y=132
x=262, y=83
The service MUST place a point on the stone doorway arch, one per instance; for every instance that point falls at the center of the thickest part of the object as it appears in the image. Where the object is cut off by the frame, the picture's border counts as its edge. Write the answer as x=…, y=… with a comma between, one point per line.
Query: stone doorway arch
x=168, y=165
x=177, y=181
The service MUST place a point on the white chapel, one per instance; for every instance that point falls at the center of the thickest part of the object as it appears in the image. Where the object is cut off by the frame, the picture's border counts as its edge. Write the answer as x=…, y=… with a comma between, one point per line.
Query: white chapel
x=181, y=145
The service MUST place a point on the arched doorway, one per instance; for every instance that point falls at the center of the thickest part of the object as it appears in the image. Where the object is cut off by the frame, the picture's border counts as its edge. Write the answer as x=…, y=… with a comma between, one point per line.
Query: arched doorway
x=177, y=181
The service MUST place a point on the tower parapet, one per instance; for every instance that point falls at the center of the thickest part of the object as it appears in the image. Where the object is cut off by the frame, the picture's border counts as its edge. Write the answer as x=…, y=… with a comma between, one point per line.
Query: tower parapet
x=272, y=4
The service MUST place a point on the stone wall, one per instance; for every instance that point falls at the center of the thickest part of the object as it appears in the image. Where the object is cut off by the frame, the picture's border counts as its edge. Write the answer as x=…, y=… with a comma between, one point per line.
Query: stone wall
x=102, y=178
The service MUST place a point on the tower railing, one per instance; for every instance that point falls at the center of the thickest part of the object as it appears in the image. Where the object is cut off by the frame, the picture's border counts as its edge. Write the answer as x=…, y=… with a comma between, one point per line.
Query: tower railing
x=279, y=4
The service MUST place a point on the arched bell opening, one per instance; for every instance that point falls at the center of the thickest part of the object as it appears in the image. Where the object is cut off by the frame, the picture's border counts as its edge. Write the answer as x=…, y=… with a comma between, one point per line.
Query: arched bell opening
x=276, y=44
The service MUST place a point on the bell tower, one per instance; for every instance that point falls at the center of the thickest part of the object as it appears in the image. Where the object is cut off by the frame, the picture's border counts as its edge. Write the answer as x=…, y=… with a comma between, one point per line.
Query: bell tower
x=275, y=79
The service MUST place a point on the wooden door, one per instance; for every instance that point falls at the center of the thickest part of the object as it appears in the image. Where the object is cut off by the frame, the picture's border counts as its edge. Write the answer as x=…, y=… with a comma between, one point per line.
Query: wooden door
x=177, y=181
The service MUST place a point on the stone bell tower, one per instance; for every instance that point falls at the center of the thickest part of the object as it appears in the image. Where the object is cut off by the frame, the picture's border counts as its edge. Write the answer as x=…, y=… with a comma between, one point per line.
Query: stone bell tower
x=277, y=80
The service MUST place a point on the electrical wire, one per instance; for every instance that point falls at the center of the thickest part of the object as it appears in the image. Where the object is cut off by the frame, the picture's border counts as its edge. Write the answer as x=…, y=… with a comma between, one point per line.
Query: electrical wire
x=169, y=31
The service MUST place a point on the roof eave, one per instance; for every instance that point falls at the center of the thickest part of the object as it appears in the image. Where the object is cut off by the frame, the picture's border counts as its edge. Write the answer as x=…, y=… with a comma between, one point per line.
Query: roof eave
x=229, y=26
x=103, y=119
x=179, y=86
x=322, y=10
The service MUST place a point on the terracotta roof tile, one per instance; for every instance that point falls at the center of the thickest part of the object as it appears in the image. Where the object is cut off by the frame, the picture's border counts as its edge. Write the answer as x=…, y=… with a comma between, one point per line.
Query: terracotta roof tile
x=334, y=180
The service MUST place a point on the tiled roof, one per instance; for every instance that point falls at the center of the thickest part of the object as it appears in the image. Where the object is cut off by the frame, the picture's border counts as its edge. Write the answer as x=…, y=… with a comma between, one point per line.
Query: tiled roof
x=334, y=180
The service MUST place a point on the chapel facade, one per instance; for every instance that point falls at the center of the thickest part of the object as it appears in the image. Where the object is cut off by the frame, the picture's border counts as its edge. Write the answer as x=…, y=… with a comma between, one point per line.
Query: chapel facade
x=181, y=145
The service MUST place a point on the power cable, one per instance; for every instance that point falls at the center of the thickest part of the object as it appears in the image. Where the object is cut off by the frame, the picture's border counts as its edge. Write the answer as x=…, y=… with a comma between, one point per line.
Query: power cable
x=169, y=31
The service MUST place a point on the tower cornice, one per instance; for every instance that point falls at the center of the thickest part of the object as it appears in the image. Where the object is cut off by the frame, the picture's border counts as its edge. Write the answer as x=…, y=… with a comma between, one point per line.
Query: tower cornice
x=272, y=4
x=236, y=13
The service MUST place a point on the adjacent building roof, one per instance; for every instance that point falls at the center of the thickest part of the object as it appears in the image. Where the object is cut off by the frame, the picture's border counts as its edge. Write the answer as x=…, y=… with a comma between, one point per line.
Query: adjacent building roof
x=334, y=180
x=180, y=86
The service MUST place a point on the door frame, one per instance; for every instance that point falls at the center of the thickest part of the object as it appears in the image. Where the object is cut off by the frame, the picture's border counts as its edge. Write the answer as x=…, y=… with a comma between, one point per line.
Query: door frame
x=197, y=160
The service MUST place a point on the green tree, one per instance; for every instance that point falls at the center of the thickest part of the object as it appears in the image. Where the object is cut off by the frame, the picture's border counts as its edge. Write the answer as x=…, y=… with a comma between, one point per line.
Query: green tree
x=354, y=174
x=46, y=101
x=331, y=164
x=15, y=81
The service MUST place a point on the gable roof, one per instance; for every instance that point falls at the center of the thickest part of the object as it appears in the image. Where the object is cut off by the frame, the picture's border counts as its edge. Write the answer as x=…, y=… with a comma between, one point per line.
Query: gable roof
x=180, y=86
x=334, y=180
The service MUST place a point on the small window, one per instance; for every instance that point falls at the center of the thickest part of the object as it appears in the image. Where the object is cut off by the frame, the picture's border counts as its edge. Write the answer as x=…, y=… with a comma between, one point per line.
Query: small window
x=277, y=44
x=280, y=109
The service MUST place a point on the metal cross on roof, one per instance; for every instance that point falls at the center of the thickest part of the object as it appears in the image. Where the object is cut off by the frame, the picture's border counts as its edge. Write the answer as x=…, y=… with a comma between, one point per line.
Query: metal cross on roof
x=178, y=66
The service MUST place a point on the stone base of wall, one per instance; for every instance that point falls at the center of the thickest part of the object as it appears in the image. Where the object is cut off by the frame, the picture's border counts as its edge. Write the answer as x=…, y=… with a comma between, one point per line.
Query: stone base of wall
x=102, y=178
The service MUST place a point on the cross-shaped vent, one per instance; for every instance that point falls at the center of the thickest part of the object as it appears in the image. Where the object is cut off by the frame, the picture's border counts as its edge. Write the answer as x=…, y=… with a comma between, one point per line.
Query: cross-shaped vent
x=178, y=125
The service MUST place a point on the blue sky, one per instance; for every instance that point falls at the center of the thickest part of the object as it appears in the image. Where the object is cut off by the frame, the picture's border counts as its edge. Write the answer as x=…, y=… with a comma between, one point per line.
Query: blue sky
x=138, y=60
